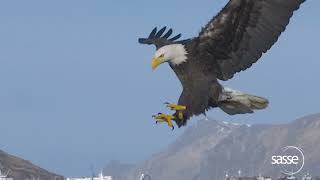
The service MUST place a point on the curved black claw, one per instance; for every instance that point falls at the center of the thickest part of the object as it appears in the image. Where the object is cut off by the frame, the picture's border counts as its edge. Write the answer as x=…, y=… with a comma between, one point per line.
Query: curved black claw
x=172, y=128
x=156, y=115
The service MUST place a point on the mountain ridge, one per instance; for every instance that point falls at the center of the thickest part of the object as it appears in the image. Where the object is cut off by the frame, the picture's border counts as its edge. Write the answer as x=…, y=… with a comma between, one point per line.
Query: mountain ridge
x=23, y=169
x=213, y=148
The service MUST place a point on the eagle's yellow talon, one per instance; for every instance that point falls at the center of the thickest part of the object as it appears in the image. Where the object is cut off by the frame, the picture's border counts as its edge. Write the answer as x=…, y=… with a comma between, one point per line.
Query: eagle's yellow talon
x=165, y=118
x=180, y=115
x=176, y=107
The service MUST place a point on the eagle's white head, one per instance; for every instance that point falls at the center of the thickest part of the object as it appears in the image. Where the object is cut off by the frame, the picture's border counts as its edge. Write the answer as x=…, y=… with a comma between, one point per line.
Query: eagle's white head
x=175, y=54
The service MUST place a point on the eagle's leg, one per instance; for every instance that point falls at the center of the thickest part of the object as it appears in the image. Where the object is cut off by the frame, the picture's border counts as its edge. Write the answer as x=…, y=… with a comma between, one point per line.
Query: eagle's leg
x=165, y=118
x=177, y=108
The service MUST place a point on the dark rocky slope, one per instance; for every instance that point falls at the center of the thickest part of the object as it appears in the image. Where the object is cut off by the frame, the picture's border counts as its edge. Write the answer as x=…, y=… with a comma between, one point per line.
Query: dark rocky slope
x=21, y=169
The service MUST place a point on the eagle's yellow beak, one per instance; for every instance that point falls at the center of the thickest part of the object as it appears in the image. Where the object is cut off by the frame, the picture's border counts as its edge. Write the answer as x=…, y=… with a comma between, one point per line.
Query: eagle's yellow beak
x=156, y=62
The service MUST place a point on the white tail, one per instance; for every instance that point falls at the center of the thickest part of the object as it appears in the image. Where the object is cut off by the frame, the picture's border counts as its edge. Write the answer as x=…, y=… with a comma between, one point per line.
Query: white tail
x=235, y=102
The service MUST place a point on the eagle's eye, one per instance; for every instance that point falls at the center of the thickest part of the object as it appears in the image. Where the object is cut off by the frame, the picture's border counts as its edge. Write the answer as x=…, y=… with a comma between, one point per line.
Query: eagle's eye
x=161, y=56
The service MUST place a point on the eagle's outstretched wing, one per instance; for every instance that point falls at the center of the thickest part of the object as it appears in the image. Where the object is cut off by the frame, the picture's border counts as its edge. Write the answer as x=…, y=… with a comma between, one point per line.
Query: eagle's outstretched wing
x=239, y=35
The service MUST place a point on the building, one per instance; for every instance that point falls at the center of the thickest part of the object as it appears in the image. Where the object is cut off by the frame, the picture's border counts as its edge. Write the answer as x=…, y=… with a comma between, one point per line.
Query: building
x=145, y=177
x=99, y=177
x=307, y=177
x=4, y=176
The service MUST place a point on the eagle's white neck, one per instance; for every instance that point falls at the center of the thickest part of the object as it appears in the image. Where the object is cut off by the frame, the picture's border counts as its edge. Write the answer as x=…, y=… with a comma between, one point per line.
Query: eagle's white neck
x=179, y=54
x=175, y=54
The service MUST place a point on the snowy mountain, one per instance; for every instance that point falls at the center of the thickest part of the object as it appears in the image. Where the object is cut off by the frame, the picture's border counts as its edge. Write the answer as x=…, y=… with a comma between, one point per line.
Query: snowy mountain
x=211, y=148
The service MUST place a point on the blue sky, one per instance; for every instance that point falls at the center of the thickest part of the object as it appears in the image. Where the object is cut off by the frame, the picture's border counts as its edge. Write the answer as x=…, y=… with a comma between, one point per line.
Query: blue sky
x=78, y=90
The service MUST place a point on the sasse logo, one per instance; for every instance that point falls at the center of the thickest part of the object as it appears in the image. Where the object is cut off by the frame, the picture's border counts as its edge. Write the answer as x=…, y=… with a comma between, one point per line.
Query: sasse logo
x=289, y=161
x=285, y=160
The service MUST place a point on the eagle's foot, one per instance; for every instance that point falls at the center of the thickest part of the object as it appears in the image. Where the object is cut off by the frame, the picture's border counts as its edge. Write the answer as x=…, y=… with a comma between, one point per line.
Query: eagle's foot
x=160, y=117
x=175, y=107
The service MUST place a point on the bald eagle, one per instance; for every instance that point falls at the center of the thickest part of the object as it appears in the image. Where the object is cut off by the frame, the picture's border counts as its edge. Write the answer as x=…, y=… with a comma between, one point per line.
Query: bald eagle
x=231, y=42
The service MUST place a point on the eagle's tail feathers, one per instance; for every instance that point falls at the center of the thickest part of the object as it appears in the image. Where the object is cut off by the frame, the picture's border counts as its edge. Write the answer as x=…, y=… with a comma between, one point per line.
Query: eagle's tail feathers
x=235, y=102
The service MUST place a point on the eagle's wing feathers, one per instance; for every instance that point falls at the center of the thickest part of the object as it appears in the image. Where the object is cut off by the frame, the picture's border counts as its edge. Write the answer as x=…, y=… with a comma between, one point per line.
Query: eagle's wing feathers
x=239, y=35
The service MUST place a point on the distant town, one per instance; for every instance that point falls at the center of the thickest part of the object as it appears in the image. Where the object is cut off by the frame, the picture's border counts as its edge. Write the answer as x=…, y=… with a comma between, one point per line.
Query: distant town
x=259, y=177
x=6, y=176
x=99, y=177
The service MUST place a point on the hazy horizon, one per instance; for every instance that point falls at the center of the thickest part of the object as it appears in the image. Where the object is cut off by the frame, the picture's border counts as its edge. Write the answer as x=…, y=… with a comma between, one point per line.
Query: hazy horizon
x=78, y=90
